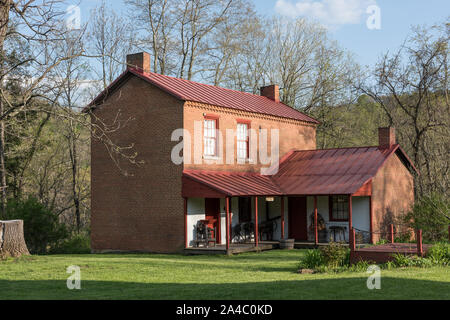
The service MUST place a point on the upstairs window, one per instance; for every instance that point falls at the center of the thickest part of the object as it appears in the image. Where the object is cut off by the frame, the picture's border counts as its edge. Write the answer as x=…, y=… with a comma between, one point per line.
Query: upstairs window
x=338, y=208
x=210, y=137
x=242, y=141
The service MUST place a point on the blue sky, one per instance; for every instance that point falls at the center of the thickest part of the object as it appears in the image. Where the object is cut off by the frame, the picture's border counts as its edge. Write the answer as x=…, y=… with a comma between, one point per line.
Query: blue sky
x=346, y=20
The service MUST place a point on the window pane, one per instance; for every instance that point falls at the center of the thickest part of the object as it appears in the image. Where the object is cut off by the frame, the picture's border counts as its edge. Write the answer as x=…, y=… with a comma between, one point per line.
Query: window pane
x=339, y=207
x=242, y=140
x=209, y=133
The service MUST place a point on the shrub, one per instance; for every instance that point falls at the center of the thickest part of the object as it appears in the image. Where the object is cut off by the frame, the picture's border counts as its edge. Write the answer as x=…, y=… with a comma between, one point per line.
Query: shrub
x=77, y=244
x=360, y=266
x=439, y=253
x=312, y=259
x=401, y=260
x=42, y=228
x=429, y=214
x=335, y=255
x=389, y=265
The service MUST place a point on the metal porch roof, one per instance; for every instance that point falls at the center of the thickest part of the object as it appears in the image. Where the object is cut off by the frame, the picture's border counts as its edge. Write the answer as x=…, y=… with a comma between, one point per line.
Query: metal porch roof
x=235, y=183
x=330, y=171
x=309, y=172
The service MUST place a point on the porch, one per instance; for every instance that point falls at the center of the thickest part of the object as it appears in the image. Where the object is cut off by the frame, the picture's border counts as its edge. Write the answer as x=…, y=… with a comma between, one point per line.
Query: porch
x=240, y=211
x=306, y=219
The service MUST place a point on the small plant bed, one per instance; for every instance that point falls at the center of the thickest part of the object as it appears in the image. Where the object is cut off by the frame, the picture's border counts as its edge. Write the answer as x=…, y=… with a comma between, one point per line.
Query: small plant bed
x=336, y=258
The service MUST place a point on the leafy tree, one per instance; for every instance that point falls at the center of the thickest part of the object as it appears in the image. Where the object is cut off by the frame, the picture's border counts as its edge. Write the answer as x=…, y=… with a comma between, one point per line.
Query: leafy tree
x=432, y=215
x=411, y=86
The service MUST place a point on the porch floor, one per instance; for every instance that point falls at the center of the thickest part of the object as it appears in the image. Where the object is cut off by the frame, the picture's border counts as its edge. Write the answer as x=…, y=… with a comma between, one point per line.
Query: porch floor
x=234, y=248
x=249, y=247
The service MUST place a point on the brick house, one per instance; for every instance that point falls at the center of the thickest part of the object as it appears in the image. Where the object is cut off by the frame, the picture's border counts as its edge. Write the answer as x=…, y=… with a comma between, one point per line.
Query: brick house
x=307, y=194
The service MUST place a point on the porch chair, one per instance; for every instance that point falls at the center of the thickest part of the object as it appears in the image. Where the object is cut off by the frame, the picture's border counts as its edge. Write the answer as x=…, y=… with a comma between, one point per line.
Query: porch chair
x=267, y=229
x=204, y=234
x=337, y=232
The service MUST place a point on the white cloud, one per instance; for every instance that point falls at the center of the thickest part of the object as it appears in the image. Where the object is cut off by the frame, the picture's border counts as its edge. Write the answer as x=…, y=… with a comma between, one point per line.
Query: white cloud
x=328, y=12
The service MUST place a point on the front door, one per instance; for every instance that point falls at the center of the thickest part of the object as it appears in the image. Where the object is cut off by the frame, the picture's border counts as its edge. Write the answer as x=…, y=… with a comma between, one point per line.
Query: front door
x=297, y=223
x=212, y=214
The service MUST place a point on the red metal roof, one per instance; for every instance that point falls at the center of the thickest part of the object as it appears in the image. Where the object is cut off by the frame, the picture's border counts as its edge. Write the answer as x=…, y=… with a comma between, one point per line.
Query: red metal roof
x=309, y=172
x=330, y=171
x=204, y=93
x=235, y=183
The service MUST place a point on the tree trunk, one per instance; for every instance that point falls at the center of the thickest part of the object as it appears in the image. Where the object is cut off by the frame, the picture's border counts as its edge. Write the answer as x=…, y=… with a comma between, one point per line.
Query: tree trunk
x=4, y=20
x=12, y=241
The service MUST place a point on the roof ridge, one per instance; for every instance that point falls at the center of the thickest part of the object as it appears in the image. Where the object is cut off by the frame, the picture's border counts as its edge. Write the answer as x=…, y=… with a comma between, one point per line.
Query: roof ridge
x=343, y=148
x=188, y=90
x=204, y=84
x=242, y=173
x=153, y=77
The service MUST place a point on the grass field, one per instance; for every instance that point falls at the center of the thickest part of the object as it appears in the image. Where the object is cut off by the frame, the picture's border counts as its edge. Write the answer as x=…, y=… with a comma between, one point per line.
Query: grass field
x=267, y=275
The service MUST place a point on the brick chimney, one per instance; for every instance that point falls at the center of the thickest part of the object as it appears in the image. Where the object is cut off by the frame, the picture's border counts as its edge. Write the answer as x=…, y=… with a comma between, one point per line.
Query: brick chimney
x=272, y=92
x=386, y=137
x=139, y=61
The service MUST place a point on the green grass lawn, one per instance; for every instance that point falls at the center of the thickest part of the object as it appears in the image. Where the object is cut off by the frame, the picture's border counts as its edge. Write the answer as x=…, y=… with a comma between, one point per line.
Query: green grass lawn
x=267, y=275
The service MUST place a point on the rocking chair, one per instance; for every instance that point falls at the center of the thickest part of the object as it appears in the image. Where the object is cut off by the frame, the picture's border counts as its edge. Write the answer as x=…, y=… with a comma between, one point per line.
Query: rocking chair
x=204, y=235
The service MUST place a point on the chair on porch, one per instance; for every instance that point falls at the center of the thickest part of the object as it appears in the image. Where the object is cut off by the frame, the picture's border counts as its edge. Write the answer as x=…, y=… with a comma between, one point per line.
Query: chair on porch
x=204, y=235
x=243, y=232
x=267, y=229
x=337, y=233
x=321, y=228
x=237, y=234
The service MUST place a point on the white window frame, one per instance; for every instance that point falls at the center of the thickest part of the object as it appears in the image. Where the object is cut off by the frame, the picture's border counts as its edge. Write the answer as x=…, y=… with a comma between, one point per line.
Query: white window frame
x=210, y=137
x=242, y=141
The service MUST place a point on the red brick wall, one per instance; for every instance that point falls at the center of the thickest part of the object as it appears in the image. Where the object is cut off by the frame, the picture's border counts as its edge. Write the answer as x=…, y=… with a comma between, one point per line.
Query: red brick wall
x=144, y=210
x=386, y=136
x=293, y=134
x=392, y=194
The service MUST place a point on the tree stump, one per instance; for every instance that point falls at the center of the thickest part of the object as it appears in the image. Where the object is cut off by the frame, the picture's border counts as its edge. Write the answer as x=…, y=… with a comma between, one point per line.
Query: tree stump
x=12, y=241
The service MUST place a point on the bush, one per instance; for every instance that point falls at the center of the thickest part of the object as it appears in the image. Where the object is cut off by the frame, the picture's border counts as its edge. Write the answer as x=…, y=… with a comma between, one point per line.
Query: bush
x=336, y=255
x=42, y=228
x=401, y=260
x=439, y=254
x=333, y=257
x=429, y=214
x=77, y=244
x=360, y=266
x=312, y=259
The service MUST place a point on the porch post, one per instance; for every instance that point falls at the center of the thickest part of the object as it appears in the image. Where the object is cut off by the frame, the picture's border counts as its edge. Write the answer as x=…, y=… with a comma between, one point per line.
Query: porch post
x=185, y=223
x=316, y=234
x=419, y=242
x=371, y=219
x=353, y=240
x=350, y=225
x=391, y=233
x=227, y=223
x=256, y=222
x=282, y=217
